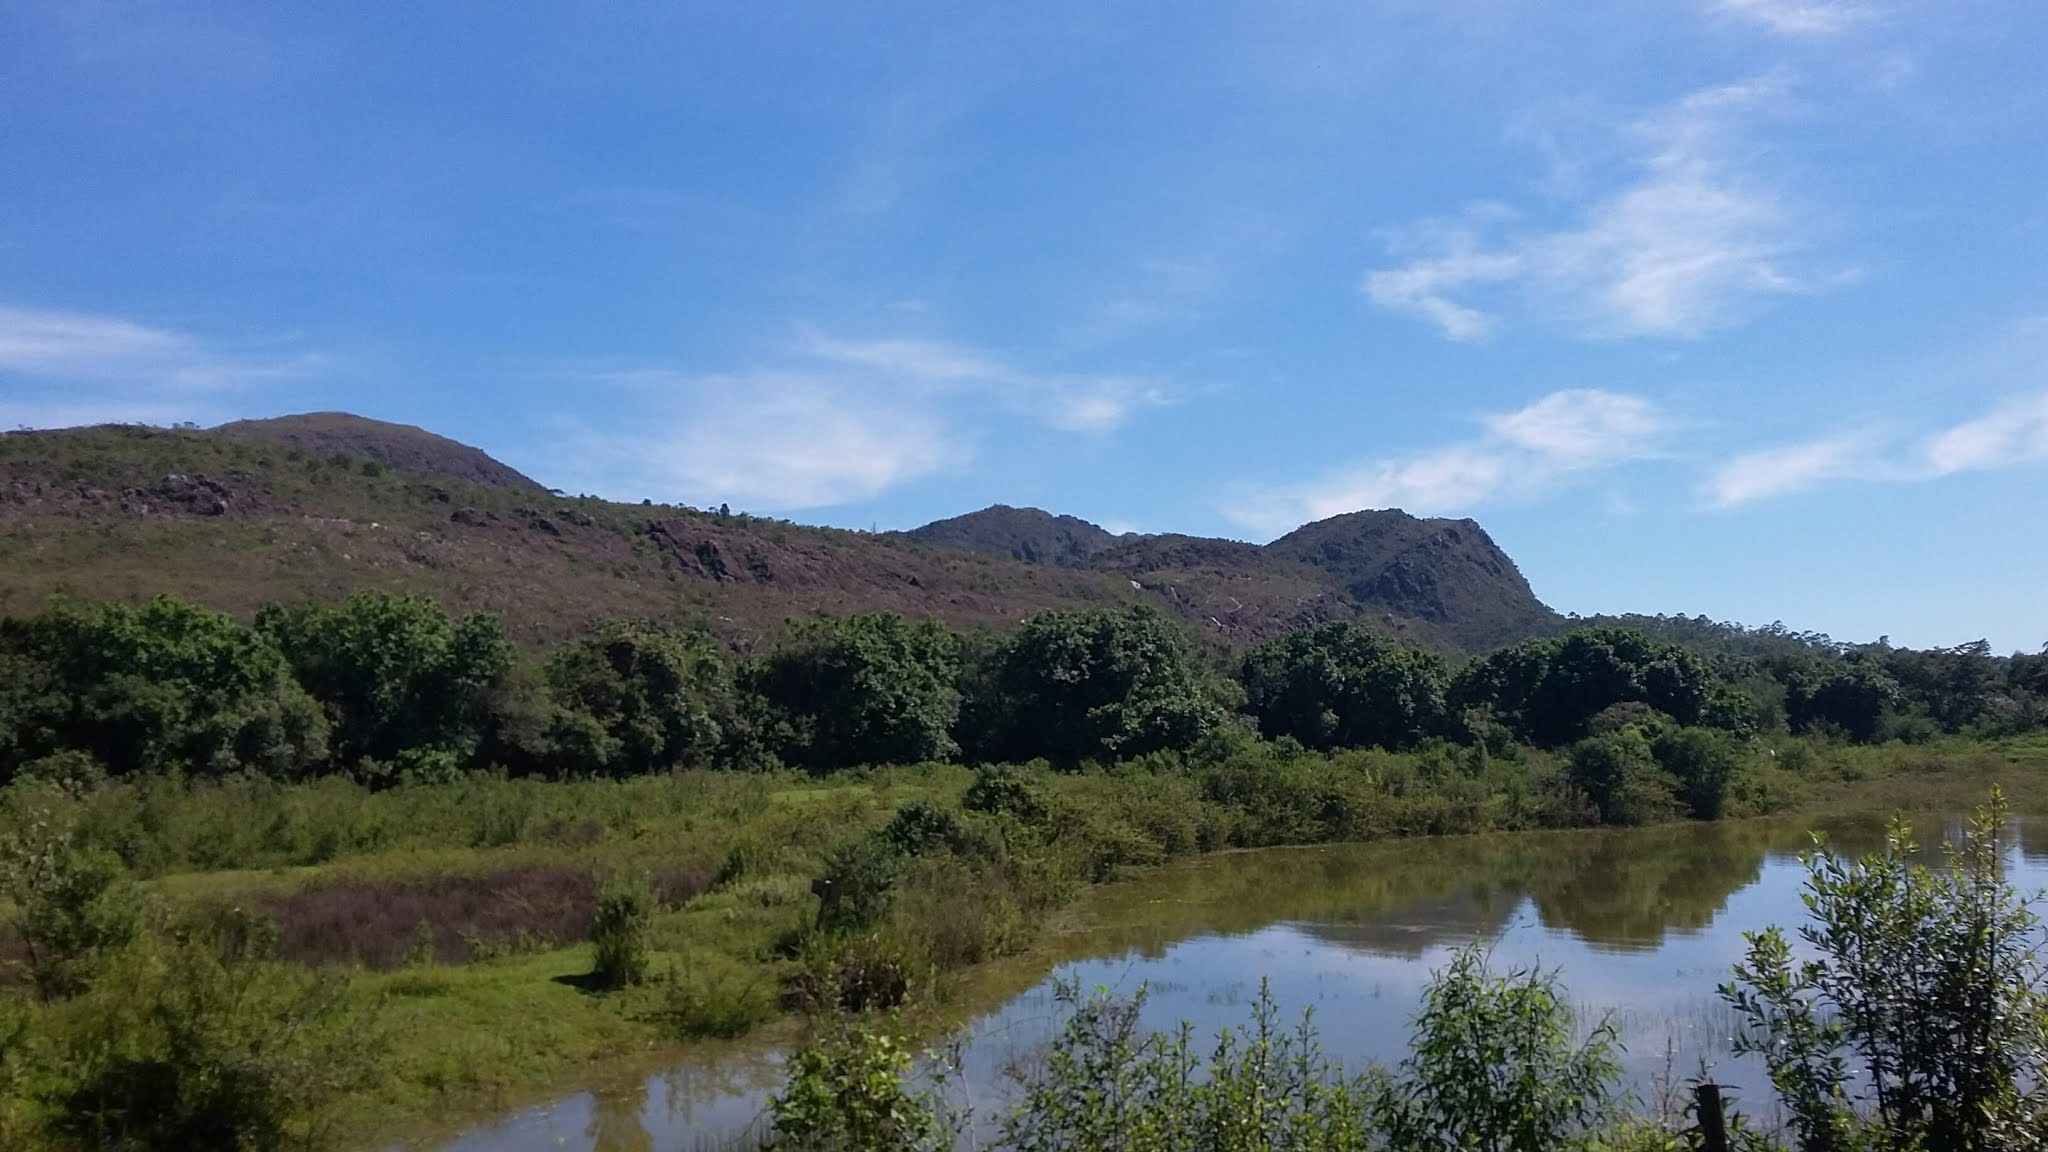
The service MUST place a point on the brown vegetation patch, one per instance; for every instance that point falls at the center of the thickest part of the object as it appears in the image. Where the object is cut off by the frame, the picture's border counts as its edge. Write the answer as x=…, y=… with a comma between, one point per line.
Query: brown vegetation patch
x=472, y=917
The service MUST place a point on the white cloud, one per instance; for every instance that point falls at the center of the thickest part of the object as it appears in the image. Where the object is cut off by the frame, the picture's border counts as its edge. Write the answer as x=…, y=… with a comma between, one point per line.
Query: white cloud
x=65, y=368
x=1582, y=425
x=1681, y=247
x=1794, y=17
x=1792, y=468
x=763, y=440
x=2017, y=433
x=1521, y=452
x=2012, y=435
x=924, y=360
x=1094, y=404
x=835, y=421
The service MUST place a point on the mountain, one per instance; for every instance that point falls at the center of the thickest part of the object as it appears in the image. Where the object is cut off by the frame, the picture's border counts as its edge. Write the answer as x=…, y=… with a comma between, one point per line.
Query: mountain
x=396, y=445
x=267, y=511
x=1026, y=534
x=1441, y=584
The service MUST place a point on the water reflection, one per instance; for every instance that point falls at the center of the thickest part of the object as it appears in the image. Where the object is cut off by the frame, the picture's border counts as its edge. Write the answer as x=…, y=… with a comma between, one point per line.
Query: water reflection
x=616, y=1120
x=1643, y=926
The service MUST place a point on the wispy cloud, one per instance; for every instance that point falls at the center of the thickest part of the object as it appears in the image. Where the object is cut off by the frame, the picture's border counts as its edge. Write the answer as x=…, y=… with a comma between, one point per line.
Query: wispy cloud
x=2016, y=433
x=765, y=440
x=1794, y=17
x=2012, y=435
x=1071, y=402
x=1561, y=435
x=1687, y=241
x=75, y=367
x=829, y=421
x=1788, y=468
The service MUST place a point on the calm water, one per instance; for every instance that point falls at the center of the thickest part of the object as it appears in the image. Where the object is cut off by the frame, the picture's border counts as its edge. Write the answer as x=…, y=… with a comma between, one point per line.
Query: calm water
x=1643, y=925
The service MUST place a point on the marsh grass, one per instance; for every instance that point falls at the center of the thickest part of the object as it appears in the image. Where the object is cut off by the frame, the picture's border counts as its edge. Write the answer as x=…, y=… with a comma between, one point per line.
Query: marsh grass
x=498, y=1023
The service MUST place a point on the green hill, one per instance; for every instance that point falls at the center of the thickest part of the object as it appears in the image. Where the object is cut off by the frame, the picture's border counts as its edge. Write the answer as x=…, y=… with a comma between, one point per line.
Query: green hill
x=317, y=507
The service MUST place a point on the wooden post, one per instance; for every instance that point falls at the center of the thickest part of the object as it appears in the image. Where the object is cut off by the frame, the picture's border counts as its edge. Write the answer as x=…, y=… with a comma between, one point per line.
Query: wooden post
x=1713, y=1125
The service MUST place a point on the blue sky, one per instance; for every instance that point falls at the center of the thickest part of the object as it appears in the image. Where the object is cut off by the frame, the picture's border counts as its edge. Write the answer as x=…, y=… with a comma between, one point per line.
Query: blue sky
x=1736, y=307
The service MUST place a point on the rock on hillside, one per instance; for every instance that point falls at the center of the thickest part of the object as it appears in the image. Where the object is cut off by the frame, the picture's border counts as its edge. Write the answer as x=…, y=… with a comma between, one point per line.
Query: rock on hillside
x=396, y=445
x=1027, y=534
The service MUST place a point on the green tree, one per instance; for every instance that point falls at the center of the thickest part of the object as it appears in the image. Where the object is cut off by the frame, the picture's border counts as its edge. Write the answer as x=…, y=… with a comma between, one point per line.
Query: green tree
x=1852, y=697
x=1101, y=684
x=1951, y=686
x=1913, y=1017
x=1550, y=689
x=1619, y=773
x=150, y=688
x=1338, y=685
x=872, y=689
x=1704, y=762
x=636, y=697
x=402, y=682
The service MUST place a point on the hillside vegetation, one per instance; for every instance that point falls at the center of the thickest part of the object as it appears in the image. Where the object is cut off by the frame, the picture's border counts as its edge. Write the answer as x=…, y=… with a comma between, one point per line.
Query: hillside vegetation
x=321, y=506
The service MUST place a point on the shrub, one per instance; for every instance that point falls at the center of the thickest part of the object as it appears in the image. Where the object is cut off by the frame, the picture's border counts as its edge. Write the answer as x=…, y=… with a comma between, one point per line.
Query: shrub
x=1619, y=773
x=1007, y=791
x=1923, y=995
x=921, y=827
x=857, y=885
x=1105, y=1082
x=619, y=930
x=846, y=1091
x=1704, y=763
x=74, y=905
x=1496, y=1063
x=182, y=1047
x=722, y=1003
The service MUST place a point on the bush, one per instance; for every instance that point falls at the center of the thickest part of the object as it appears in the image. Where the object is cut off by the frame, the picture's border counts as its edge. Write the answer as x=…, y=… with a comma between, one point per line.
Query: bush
x=1619, y=773
x=1496, y=1062
x=1007, y=791
x=857, y=885
x=183, y=1047
x=74, y=906
x=846, y=1091
x=1926, y=986
x=1704, y=763
x=620, y=930
x=1106, y=1082
x=721, y=1003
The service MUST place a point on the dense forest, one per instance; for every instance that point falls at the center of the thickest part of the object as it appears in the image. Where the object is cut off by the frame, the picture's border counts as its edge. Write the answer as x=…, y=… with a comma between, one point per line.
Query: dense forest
x=383, y=687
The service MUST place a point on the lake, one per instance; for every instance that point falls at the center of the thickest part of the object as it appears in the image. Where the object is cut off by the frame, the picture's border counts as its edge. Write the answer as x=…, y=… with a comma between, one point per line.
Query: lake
x=1643, y=925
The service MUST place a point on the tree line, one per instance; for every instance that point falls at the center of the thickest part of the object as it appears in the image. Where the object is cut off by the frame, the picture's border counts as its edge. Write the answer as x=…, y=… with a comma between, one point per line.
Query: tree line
x=390, y=687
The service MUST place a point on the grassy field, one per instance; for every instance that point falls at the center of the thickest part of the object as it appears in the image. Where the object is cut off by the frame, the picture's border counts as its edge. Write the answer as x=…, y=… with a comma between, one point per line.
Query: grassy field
x=450, y=917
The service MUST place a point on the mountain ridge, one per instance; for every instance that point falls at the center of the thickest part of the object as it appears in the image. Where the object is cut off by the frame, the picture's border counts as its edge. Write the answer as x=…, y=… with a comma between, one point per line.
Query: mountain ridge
x=235, y=520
